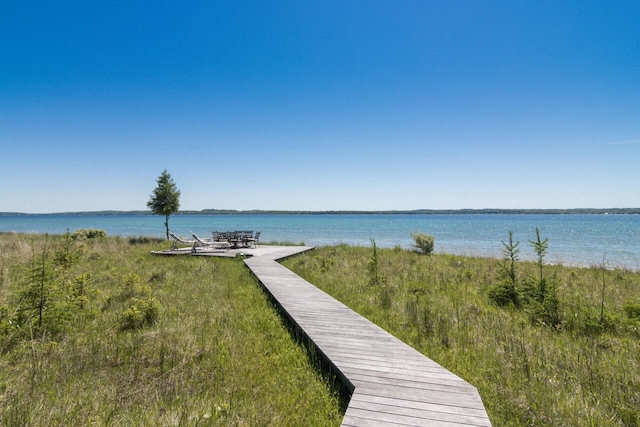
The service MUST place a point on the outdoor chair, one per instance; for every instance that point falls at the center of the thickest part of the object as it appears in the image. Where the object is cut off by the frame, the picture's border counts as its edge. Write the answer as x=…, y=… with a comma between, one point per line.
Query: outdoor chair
x=244, y=237
x=205, y=243
x=254, y=240
x=177, y=240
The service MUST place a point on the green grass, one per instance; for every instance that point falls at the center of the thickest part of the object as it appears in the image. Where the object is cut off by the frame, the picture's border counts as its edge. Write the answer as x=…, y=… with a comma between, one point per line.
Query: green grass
x=127, y=338
x=585, y=370
x=214, y=351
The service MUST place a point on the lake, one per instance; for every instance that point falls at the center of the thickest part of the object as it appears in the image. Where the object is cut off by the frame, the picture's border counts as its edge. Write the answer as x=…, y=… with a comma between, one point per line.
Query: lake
x=573, y=239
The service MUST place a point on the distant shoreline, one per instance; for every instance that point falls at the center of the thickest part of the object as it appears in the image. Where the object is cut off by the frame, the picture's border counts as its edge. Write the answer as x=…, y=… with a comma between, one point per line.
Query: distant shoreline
x=573, y=211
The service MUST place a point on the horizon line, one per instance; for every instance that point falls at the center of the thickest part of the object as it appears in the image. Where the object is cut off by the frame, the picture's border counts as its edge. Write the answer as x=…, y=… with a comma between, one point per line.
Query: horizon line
x=345, y=211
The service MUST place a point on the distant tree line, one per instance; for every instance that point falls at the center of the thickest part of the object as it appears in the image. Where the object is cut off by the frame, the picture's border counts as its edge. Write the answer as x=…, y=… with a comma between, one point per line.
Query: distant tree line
x=574, y=211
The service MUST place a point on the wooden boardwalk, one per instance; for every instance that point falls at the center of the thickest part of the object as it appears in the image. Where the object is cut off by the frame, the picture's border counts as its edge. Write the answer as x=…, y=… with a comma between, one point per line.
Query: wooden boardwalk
x=391, y=384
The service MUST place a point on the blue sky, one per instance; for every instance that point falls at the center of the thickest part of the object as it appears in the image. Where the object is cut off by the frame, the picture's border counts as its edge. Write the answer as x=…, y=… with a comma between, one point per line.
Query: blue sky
x=320, y=105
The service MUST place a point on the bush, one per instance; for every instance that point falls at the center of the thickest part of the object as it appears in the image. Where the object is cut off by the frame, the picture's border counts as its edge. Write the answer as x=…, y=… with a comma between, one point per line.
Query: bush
x=141, y=312
x=143, y=240
x=143, y=309
x=541, y=301
x=88, y=233
x=503, y=293
x=375, y=277
x=133, y=286
x=423, y=242
x=632, y=309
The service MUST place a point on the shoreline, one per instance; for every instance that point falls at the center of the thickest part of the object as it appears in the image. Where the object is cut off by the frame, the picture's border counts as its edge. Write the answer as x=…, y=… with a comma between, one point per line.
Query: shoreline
x=576, y=240
x=489, y=211
x=468, y=253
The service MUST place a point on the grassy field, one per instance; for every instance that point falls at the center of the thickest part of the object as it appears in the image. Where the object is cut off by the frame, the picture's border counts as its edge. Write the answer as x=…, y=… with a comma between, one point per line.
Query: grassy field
x=96, y=331
x=564, y=357
x=99, y=332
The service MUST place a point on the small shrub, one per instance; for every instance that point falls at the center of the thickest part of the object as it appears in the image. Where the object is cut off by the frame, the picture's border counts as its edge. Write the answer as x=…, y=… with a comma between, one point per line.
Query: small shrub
x=158, y=277
x=143, y=240
x=540, y=247
x=68, y=254
x=79, y=290
x=511, y=255
x=584, y=319
x=143, y=309
x=632, y=309
x=133, y=286
x=375, y=277
x=503, y=293
x=551, y=304
x=88, y=233
x=131, y=318
x=542, y=302
x=141, y=312
x=423, y=242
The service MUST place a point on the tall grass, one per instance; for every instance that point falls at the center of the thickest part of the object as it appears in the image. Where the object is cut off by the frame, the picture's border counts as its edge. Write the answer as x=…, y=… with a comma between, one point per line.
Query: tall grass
x=578, y=371
x=215, y=352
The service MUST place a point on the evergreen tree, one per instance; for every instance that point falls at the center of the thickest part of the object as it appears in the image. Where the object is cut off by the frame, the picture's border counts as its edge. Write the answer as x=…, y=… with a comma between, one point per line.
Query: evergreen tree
x=540, y=247
x=165, y=199
x=511, y=252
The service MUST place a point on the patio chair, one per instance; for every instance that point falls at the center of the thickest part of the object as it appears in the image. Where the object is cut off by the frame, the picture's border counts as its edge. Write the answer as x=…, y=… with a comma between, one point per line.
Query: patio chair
x=255, y=239
x=206, y=243
x=177, y=240
x=244, y=237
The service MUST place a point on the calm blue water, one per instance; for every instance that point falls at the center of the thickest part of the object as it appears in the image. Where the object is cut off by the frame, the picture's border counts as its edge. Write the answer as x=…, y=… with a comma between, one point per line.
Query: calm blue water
x=573, y=239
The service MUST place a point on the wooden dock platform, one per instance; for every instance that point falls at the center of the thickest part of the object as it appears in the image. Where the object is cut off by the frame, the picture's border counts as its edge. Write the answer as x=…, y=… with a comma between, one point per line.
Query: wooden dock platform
x=391, y=384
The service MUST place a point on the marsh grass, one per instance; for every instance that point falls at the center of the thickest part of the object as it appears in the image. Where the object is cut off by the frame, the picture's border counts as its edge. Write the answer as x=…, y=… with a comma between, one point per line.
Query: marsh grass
x=581, y=371
x=216, y=352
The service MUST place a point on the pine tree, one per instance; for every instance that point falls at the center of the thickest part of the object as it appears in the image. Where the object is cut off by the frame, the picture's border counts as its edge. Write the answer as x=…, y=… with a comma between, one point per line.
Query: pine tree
x=165, y=199
x=540, y=247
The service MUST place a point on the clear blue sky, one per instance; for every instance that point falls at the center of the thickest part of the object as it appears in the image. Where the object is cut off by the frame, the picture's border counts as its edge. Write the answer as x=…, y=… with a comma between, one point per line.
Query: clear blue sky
x=320, y=105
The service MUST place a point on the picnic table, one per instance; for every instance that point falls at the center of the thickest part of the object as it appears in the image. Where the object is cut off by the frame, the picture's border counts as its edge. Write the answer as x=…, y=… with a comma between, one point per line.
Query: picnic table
x=237, y=238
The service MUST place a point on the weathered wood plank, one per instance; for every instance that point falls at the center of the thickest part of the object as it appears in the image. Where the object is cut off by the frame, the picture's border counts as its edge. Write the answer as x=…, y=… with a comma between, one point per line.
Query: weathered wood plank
x=362, y=400
x=392, y=383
